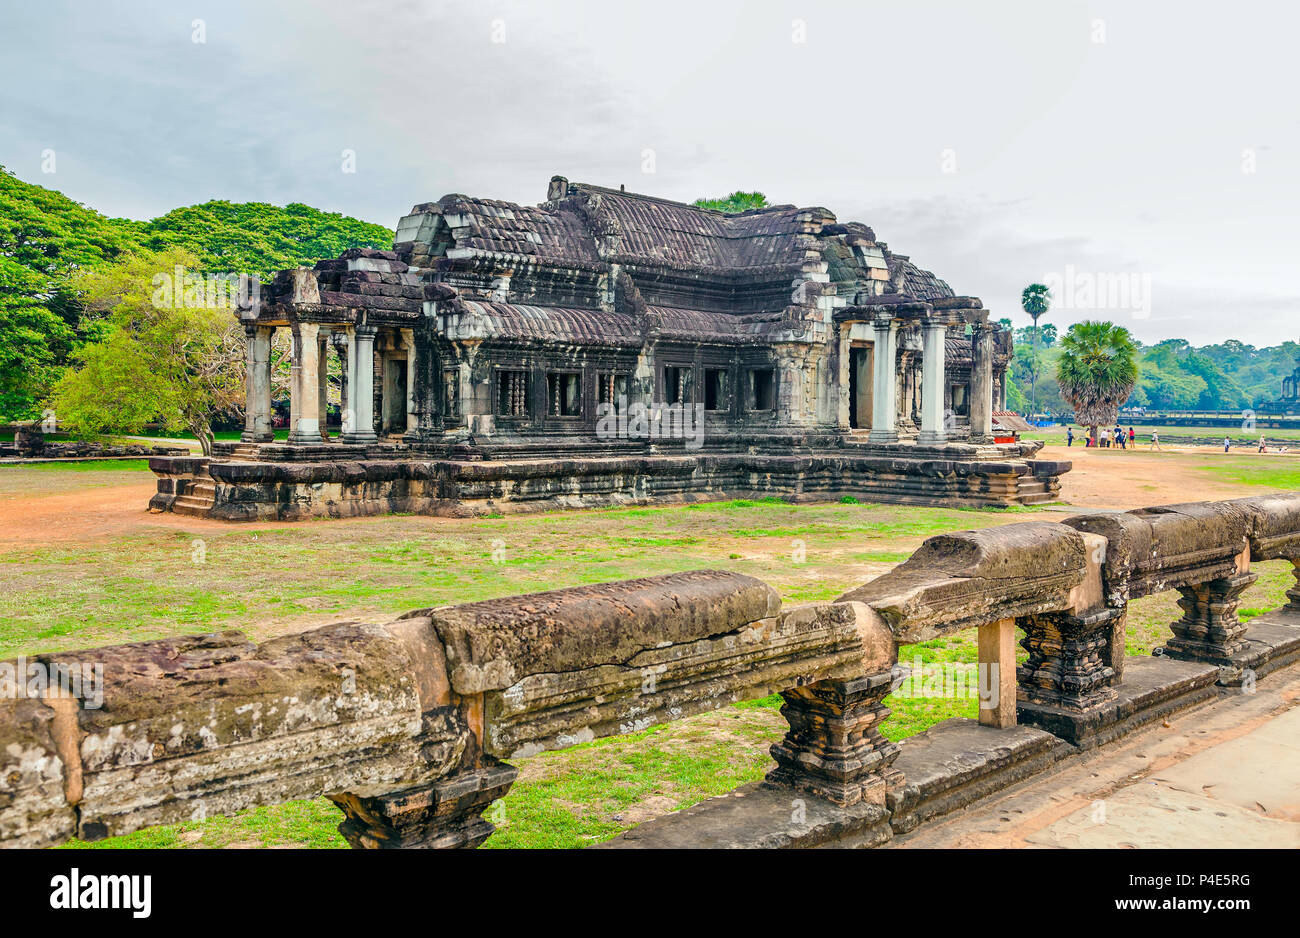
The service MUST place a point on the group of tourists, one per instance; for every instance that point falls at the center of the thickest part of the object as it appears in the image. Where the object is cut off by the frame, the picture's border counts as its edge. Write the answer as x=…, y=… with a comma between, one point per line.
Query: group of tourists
x=1127, y=439
x=1118, y=437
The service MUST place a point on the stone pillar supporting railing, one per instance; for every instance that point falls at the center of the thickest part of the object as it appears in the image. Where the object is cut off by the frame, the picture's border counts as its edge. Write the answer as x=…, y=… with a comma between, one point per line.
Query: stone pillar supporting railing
x=834, y=748
x=1069, y=664
x=1210, y=629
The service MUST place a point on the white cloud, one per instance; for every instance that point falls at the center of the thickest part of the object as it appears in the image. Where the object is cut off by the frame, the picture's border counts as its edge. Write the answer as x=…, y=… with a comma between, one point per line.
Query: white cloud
x=1125, y=155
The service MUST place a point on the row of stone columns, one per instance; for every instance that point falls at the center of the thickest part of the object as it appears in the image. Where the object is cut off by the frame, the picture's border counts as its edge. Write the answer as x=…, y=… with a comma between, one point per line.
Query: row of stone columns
x=884, y=419
x=308, y=384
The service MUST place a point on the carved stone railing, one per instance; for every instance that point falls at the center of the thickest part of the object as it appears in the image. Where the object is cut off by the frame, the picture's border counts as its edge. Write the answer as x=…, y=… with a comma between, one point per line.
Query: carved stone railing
x=407, y=725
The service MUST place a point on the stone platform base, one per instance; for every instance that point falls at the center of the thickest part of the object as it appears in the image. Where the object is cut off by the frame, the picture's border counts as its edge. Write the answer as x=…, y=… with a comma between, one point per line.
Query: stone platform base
x=289, y=489
x=1152, y=689
x=1272, y=642
x=959, y=761
x=761, y=816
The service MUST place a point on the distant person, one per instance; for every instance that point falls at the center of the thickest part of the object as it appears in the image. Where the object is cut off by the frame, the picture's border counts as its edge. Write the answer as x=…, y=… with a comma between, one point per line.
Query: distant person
x=1227, y=444
x=1155, y=439
x=1263, y=444
x=1069, y=436
x=1132, y=438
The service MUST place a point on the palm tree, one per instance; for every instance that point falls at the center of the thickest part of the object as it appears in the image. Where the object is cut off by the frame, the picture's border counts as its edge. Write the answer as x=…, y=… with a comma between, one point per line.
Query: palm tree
x=1035, y=300
x=1096, y=372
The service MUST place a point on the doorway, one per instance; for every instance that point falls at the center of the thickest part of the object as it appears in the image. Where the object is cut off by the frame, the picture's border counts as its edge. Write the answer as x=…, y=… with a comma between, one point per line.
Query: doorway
x=861, y=377
x=394, y=395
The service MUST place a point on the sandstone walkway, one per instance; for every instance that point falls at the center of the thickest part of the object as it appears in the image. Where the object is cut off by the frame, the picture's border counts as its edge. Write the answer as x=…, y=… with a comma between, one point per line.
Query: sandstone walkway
x=1223, y=775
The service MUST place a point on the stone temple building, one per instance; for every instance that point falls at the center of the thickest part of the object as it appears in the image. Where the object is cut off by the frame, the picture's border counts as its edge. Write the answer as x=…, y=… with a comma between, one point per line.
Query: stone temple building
x=606, y=347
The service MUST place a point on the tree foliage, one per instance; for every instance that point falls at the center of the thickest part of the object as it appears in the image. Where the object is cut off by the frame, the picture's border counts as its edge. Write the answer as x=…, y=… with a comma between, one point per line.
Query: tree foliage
x=167, y=355
x=47, y=239
x=1047, y=335
x=1096, y=371
x=738, y=201
x=44, y=238
x=256, y=238
x=1035, y=300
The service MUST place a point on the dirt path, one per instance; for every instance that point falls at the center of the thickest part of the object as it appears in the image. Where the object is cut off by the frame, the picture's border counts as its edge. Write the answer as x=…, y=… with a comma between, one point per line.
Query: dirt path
x=98, y=511
x=1110, y=478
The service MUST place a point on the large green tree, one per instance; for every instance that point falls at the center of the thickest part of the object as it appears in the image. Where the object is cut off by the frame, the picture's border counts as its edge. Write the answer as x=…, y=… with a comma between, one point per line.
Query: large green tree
x=256, y=238
x=46, y=239
x=172, y=351
x=1096, y=371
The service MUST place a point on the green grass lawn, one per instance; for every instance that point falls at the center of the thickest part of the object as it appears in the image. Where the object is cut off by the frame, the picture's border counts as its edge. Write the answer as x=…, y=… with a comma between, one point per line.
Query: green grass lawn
x=164, y=580
x=1269, y=473
x=269, y=580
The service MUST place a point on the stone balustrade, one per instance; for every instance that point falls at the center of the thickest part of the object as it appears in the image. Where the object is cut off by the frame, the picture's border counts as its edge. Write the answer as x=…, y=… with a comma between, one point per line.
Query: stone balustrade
x=408, y=725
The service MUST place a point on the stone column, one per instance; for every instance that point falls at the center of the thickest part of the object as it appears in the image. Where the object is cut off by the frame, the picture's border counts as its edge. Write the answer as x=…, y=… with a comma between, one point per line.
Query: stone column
x=304, y=378
x=932, y=384
x=834, y=749
x=884, y=404
x=1293, y=594
x=843, y=362
x=1210, y=630
x=257, y=384
x=340, y=340
x=412, y=377
x=981, y=384
x=323, y=383
x=361, y=385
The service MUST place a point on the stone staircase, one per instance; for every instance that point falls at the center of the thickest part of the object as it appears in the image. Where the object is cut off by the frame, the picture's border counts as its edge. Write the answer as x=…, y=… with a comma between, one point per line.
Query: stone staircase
x=244, y=451
x=1033, y=491
x=200, y=495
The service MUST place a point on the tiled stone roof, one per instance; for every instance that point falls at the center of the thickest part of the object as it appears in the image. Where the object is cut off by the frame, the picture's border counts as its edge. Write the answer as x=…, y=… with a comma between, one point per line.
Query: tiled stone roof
x=506, y=228
x=551, y=324
x=652, y=231
x=701, y=325
x=692, y=271
x=918, y=282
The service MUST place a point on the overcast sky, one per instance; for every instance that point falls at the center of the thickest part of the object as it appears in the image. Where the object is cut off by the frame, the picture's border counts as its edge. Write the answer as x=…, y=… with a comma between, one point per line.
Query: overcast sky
x=996, y=143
